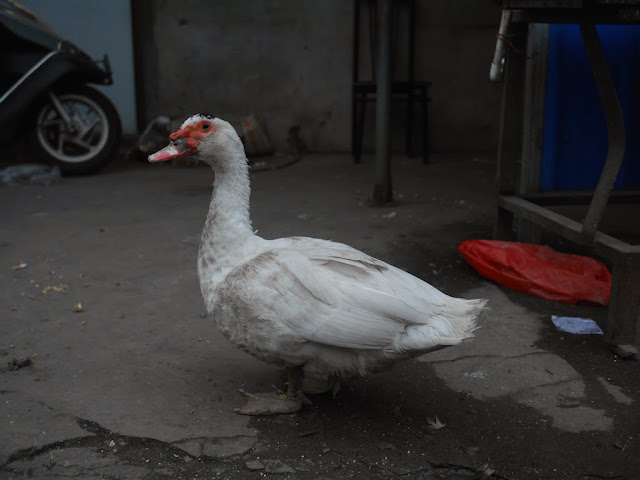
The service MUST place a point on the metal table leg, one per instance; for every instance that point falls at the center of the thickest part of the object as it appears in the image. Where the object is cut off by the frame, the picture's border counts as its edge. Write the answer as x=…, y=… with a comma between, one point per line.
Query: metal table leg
x=615, y=129
x=382, y=190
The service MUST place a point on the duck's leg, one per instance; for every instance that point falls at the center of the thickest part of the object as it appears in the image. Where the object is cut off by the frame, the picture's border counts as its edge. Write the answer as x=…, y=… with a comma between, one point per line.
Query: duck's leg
x=294, y=386
x=274, y=403
x=317, y=385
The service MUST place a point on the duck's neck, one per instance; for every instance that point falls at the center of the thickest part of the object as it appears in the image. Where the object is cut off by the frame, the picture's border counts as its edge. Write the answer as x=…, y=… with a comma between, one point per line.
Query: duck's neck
x=228, y=226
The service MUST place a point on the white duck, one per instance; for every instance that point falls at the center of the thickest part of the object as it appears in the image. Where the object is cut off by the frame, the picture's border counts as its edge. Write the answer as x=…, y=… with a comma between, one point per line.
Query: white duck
x=313, y=306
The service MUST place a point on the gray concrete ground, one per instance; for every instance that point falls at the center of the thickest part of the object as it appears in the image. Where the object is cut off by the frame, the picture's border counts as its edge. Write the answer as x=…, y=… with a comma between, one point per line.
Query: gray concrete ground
x=141, y=385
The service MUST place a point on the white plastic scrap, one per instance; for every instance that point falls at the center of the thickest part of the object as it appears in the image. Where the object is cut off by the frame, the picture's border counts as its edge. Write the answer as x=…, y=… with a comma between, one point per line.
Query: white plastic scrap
x=435, y=423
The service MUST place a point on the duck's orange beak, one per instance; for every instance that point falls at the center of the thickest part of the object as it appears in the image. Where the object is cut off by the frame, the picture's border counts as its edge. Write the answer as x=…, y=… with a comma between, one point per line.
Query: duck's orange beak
x=177, y=148
x=167, y=153
x=182, y=143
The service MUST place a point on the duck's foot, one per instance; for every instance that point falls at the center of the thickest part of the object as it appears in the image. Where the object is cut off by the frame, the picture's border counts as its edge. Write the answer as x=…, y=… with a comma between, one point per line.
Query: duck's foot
x=270, y=403
x=273, y=403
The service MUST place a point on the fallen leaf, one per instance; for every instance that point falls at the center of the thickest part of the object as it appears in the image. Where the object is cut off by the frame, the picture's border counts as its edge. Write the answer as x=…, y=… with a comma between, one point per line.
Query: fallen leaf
x=435, y=423
x=484, y=472
x=62, y=288
x=17, y=364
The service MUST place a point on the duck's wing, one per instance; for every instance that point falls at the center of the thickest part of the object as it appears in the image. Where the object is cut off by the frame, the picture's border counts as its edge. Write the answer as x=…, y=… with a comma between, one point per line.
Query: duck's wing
x=332, y=294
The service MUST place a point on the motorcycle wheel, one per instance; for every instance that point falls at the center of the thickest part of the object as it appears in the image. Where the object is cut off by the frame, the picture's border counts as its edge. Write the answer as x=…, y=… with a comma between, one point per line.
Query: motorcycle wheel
x=91, y=139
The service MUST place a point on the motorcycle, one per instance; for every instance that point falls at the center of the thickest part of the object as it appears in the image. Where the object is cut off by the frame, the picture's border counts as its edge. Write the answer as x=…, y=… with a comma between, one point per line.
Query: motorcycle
x=44, y=94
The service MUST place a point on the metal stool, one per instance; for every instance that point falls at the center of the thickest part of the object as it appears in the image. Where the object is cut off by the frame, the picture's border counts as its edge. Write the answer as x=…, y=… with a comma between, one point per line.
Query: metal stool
x=410, y=91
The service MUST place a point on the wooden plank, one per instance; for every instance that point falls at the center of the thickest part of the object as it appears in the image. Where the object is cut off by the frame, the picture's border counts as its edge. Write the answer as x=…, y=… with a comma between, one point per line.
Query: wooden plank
x=565, y=227
x=581, y=197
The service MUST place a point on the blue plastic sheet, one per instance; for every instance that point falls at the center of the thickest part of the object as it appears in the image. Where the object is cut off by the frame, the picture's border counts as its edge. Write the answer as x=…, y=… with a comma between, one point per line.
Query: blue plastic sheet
x=583, y=326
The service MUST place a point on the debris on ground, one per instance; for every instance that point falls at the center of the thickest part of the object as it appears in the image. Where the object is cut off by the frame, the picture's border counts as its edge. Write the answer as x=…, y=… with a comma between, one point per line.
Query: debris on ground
x=18, y=363
x=254, y=465
x=620, y=445
x=626, y=352
x=277, y=466
x=471, y=451
x=78, y=308
x=20, y=266
x=29, y=174
x=62, y=288
x=477, y=374
x=577, y=325
x=484, y=472
x=386, y=446
x=435, y=423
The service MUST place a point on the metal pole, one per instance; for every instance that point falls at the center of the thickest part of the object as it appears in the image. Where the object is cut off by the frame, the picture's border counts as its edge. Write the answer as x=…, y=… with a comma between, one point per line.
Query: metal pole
x=382, y=190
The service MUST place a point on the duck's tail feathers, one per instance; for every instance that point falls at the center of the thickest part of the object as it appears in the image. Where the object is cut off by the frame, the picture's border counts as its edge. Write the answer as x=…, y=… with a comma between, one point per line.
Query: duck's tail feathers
x=453, y=324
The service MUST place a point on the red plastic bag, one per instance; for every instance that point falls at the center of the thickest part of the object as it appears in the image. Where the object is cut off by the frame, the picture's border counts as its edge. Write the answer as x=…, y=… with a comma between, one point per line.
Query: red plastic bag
x=539, y=270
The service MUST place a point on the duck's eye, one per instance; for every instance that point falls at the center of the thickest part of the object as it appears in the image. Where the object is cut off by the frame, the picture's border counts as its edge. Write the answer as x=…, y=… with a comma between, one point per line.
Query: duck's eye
x=206, y=126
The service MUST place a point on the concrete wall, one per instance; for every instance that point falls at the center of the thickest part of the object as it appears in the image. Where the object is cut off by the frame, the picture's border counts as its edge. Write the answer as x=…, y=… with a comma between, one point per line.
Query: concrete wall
x=98, y=27
x=290, y=61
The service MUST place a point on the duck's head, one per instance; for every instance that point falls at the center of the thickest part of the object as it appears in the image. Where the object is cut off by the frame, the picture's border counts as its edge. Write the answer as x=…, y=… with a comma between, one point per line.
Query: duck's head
x=203, y=136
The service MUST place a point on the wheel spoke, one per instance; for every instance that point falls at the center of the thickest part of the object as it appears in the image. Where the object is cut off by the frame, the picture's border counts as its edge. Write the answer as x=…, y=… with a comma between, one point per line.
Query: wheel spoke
x=88, y=128
x=54, y=122
x=76, y=118
x=60, y=142
x=81, y=143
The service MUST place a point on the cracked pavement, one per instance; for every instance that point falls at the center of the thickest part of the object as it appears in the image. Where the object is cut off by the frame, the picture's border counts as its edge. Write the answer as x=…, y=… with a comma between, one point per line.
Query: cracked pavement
x=141, y=385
